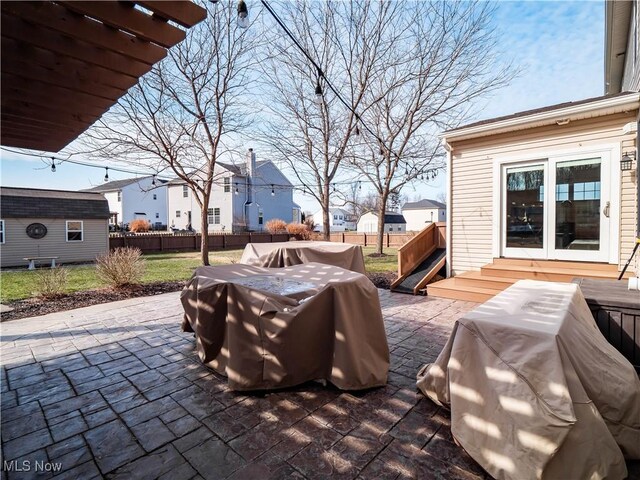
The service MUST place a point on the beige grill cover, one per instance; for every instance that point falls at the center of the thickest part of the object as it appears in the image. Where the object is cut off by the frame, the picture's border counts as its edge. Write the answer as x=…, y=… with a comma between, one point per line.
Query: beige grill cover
x=535, y=390
x=273, y=328
x=285, y=254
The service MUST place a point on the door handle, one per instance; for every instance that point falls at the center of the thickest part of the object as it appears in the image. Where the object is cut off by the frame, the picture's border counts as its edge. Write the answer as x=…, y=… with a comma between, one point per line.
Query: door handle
x=606, y=209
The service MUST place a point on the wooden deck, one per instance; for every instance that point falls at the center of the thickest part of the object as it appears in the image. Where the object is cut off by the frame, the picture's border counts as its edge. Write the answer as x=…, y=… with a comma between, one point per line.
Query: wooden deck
x=480, y=286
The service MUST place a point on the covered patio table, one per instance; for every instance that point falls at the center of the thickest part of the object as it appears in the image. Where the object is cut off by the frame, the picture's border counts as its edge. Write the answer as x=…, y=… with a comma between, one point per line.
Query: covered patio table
x=284, y=254
x=534, y=388
x=272, y=328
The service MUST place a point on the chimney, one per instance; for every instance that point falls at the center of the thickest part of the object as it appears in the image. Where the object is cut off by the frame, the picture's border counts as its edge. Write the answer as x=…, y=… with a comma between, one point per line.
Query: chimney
x=251, y=170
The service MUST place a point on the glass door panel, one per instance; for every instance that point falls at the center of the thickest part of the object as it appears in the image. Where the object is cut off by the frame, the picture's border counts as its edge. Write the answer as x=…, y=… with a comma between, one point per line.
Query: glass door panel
x=577, y=205
x=524, y=211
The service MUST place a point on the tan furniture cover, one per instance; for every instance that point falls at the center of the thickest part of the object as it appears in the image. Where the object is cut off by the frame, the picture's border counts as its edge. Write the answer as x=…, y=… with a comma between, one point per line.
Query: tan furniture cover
x=272, y=328
x=284, y=254
x=535, y=390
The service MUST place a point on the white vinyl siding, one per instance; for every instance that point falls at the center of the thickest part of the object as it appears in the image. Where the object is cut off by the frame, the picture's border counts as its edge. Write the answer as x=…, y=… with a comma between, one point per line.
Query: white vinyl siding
x=473, y=184
x=74, y=231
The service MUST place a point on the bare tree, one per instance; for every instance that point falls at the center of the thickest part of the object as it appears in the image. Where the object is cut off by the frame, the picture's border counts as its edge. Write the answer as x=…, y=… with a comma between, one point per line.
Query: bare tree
x=182, y=115
x=442, y=197
x=444, y=56
x=313, y=138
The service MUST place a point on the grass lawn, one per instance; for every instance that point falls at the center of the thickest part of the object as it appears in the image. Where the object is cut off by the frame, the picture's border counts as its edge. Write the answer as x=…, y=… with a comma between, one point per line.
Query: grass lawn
x=161, y=267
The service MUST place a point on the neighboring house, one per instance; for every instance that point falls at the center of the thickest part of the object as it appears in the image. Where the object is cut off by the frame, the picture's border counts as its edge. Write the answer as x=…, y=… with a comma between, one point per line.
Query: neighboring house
x=243, y=197
x=393, y=223
x=551, y=183
x=423, y=212
x=135, y=198
x=339, y=220
x=72, y=226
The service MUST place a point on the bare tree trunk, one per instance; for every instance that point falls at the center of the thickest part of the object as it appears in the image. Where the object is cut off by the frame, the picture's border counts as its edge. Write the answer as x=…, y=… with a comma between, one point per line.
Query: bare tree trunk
x=326, y=230
x=204, y=239
x=382, y=207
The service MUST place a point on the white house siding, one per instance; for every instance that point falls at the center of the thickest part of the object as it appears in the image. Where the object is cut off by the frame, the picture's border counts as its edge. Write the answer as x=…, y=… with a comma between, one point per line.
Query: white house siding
x=115, y=206
x=417, y=219
x=335, y=224
x=18, y=245
x=472, y=182
x=137, y=199
x=368, y=223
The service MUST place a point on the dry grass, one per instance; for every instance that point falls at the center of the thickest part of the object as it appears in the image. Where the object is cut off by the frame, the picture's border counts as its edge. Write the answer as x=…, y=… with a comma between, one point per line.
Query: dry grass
x=120, y=267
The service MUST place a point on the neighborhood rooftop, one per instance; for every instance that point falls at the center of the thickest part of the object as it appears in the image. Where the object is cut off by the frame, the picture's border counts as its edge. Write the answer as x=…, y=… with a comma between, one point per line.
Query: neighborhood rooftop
x=424, y=203
x=118, y=184
x=38, y=203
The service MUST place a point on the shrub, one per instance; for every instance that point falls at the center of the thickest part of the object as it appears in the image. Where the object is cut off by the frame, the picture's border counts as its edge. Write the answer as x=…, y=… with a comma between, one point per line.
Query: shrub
x=300, y=230
x=51, y=283
x=275, y=225
x=120, y=267
x=140, y=225
x=309, y=222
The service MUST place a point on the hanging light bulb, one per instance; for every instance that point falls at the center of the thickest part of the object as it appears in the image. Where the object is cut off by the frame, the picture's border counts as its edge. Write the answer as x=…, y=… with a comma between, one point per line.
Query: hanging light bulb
x=273, y=192
x=359, y=185
x=106, y=174
x=406, y=171
x=153, y=182
x=236, y=192
x=53, y=164
x=357, y=131
x=243, y=14
x=319, y=93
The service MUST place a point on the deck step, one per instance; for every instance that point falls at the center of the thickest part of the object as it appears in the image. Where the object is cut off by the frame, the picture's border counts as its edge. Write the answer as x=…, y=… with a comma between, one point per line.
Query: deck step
x=564, y=264
x=449, y=288
x=546, y=273
x=476, y=279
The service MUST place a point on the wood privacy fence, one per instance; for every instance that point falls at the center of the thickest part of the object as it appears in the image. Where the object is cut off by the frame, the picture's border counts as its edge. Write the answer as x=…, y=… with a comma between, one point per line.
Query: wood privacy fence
x=369, y=239
x=149, y=242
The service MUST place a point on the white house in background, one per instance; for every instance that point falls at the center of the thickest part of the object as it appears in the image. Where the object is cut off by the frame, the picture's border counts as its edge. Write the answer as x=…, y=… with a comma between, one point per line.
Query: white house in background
x=423, y=212
x=243, y=197
x=393, y=223
x=135, y=198
x=339, y=220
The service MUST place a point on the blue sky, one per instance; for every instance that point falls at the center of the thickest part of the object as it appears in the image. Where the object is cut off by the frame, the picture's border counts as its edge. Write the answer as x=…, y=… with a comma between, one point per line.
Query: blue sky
x=558, y=45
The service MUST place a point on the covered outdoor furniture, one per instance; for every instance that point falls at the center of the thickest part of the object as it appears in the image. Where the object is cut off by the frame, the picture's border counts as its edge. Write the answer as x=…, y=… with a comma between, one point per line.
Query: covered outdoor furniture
x=272, y=328
x=534, y=388
x=284, y=254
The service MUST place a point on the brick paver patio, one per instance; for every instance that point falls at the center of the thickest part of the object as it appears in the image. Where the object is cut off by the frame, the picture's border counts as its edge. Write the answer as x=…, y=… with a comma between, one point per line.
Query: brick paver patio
x=117, y=391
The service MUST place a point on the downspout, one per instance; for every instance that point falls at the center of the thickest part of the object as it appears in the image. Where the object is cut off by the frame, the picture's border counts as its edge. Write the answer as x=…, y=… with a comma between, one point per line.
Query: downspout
x=448, y=228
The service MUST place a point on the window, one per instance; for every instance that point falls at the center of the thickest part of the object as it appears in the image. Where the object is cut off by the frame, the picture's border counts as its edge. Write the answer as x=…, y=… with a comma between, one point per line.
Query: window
x=260, y=218
x=119, y=195
x=562, y=192
x=335, y=217
x=157, y=215
x=391, y=229
x=216, y=216
x=1, y=231
x=155, y=197
x=227, y=184
x=296, y=213
x=340, y=217
x=210, y=216
x=74, y=230
x=586, y=191
x=177, y=213
x=185, y=191
x=399, y=229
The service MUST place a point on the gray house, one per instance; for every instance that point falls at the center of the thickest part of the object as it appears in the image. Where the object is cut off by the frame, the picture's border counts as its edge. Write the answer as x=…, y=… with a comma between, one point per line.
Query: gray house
x=243, y=197
x=71, y=226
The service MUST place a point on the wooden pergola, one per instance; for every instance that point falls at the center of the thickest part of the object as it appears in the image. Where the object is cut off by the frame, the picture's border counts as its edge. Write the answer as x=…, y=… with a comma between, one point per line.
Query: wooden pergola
x=65, y=63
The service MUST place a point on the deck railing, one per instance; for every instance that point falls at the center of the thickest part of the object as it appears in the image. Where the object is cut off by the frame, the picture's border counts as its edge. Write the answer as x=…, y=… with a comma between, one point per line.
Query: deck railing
x=417, y=249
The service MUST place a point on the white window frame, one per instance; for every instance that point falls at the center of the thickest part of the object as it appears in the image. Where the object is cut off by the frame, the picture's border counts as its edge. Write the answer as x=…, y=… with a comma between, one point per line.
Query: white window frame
x=2, y=232
x=157, y=215
x=177, y=213
x=210, y=216
x=216, y=216
x=66, y=228
x=119, y=192
x=260, y=217
x=227, y=184
x=185, y=191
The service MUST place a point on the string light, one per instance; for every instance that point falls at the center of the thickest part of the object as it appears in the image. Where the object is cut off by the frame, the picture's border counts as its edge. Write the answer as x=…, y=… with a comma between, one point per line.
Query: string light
x=153, y=182
x=236, y=192
x=53, y=164
x=106, y=174
x=243, y=14
x=273, y=192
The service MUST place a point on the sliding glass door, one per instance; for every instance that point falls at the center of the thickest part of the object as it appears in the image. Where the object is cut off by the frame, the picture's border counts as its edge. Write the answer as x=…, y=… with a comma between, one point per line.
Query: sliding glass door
x=556, y=208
